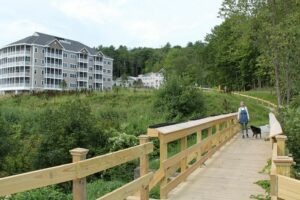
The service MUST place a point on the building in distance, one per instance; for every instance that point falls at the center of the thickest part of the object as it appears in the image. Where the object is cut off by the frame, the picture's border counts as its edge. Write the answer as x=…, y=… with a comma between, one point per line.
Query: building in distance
x=46, y=62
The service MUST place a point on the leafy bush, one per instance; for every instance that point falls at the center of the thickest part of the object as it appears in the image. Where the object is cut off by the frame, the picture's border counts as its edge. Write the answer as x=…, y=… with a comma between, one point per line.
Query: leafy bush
x=121, y=141
x=45, y=193
x=100, y=187
x=290, y=118
x=125, y=171
x=66, y=127
x=178, y=100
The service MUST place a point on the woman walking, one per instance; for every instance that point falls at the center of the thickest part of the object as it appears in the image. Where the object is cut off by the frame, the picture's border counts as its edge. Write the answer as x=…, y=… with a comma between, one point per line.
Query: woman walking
x=243, y=118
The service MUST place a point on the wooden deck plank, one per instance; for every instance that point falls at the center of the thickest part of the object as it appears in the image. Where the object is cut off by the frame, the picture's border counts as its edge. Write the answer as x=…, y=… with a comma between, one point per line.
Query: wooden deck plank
x=229, y=174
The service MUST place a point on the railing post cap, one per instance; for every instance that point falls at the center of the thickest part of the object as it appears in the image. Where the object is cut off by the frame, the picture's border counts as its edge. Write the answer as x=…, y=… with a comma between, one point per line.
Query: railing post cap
x=281, y=137
x=79, y=151
x=144, y=137
x=282, y=160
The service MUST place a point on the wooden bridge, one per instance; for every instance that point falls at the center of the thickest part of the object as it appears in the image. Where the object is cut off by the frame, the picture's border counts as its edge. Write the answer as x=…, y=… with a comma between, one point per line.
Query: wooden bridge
x=213, y=163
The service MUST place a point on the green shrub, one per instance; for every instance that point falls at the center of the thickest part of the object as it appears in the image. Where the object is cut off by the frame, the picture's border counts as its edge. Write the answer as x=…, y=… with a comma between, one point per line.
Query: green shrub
x=45, y=193
x=179, y=101
x=100, y=187
x=290, y=118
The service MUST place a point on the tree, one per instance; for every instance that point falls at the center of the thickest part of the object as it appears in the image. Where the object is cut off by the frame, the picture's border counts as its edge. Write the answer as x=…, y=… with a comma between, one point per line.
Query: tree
x=177, y=100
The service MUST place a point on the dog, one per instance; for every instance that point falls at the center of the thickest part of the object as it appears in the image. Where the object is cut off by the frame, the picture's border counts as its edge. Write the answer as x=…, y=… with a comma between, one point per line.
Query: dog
x=256, y=131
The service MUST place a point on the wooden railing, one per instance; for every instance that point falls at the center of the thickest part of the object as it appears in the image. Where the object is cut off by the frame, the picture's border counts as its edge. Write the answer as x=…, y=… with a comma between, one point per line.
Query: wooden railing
x=80, y=168
x=210, y=134
x=282, y=186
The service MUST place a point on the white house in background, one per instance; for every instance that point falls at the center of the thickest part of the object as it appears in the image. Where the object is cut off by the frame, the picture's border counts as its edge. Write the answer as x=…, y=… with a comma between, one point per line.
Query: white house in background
x=125, y=83
x=152, y=80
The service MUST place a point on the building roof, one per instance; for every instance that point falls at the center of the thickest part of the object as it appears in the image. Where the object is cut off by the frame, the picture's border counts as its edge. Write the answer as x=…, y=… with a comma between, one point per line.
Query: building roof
x=44, y=39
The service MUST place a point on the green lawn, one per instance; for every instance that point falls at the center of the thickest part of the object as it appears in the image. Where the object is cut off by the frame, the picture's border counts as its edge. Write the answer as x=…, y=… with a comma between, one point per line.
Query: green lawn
x=268, y=95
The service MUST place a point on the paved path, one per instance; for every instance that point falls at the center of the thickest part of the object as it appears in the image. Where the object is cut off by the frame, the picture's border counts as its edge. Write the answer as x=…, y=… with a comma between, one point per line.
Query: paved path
x=230, y=174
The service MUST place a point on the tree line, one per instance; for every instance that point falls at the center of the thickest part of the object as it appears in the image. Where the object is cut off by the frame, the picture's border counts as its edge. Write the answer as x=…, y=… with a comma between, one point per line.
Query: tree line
x=257, y=45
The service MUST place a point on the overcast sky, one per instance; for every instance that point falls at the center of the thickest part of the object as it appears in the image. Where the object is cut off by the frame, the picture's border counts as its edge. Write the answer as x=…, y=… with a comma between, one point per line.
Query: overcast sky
x=133, y=23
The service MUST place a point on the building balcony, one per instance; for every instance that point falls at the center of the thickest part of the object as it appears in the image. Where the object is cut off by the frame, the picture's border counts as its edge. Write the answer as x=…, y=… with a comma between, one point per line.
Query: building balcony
x=97, y=81
x=82, y=60
x=52, y=65
x=15, y=74
x=54, y=76
x=98, y=72
x=54, y=55
x=98, y=62
x=13, y=64
x=14, y=85
x=80, y=69
x=27, y=53
x=53, y=86
x=85, y=79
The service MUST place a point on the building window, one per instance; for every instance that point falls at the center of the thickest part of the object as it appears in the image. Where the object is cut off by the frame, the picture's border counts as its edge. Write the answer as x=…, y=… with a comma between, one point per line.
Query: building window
x=35, y=60
x=43, y=51
x=43, y=72
x=64, y=74
x=90, y=77
x=35, y=50
x=65, y=64
x=43, y=62
x=104, y=79
x=42, y=82
x=65, y=55
x=34, y=82
x=34, y=71
x=73, y=65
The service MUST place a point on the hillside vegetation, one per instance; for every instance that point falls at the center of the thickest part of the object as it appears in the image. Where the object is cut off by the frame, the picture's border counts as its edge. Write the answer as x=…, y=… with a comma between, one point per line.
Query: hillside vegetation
x=37, y=131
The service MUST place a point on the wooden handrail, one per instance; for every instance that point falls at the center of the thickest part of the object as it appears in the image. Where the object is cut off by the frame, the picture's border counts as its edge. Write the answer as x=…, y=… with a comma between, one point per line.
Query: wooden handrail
x=275, y=127
x=73, y=171
x=281, y=185
x=224, y=126
x=128, y=189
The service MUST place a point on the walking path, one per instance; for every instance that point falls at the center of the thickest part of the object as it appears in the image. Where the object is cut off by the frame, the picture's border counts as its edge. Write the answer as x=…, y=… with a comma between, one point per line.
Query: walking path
x=231, y=173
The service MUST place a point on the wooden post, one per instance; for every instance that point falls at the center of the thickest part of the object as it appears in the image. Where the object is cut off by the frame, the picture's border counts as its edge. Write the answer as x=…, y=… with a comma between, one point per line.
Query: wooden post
x=283, y=165
x=231, y=124
x=199, y=138
x=183, y=146
x=144, y=168
x=281, y=144
x=273, y=186
x=163, y=151
x=218, y=134
x=79, y=185
x=210, y=138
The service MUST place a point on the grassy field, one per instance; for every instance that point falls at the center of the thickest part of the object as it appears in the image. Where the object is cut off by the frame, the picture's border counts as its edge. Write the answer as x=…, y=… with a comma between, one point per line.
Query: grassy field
x=268, y=95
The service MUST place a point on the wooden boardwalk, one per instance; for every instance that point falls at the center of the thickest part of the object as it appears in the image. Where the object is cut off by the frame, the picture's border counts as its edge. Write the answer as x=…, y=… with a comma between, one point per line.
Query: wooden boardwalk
x=230, y=174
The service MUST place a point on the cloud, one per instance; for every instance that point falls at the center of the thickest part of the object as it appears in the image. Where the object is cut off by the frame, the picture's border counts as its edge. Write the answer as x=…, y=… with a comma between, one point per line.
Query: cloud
x=17, y=29
x=89, y=11
x=144, y=30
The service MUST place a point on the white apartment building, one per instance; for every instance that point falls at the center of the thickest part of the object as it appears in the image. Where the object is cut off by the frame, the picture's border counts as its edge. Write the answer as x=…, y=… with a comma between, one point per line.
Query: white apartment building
x=152, y=80
x=45, y=62
x=128, y=82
